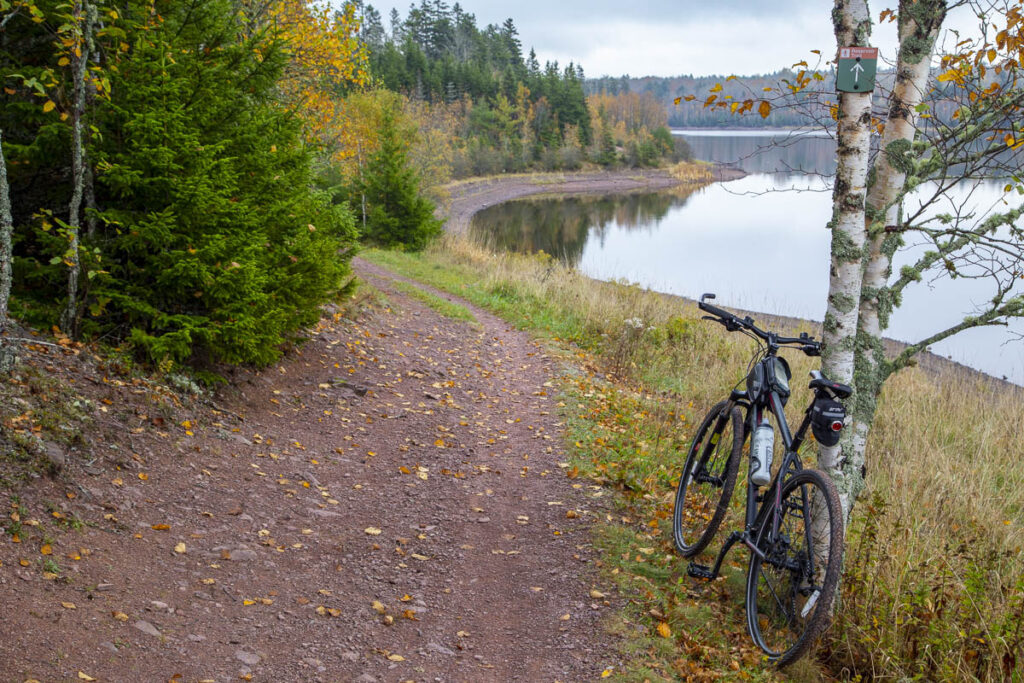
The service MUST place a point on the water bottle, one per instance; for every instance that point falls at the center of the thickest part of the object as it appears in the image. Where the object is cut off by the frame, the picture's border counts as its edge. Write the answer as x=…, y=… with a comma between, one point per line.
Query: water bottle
x=762, y=443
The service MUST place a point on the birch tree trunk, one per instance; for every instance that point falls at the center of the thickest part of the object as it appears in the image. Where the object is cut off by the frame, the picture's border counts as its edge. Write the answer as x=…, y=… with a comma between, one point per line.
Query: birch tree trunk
x=86, y=18
x=852, y=25
x=919, y=25
x=6, y=230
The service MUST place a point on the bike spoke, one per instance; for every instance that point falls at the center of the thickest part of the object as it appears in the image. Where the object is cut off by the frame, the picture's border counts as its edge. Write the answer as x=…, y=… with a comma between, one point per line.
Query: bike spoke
x=787, y=600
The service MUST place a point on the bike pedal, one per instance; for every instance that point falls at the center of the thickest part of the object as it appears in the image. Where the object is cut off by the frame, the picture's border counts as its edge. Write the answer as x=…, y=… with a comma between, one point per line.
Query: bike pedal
x=700, y=571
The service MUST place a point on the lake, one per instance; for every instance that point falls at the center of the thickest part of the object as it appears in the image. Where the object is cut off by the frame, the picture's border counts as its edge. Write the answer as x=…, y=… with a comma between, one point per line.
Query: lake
x=760, y=242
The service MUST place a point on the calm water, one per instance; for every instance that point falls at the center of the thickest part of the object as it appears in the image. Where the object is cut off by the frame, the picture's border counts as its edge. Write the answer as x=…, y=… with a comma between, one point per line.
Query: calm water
x=760, y=243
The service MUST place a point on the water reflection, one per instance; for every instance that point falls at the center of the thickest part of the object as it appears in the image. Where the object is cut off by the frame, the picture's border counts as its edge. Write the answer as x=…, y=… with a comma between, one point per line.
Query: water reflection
x=561, y=226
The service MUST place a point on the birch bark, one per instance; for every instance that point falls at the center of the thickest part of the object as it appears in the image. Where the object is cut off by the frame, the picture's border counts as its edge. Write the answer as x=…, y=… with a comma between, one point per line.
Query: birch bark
x=6, y=230
x=852, y=25
x=919, y=22
x=85, y=16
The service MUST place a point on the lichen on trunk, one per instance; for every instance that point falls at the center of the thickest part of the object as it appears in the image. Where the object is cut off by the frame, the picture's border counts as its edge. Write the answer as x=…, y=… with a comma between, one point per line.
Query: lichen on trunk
x=6, y=230
x=919, y=24
x=852, y=25
x=85, y=17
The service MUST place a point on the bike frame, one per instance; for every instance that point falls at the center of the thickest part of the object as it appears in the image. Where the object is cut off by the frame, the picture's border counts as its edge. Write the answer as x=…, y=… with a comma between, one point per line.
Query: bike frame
x=771, y=500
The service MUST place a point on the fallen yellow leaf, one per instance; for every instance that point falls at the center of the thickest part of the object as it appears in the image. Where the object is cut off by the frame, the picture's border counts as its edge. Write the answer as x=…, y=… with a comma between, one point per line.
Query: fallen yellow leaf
x=607, y=672
x=161, y=527
x=396, y=658
x=596, y=594
x=372, y=531
x=120, y=616
x=180, y=548
x=664, y=631
x=47, y=549
x=143, y=476
x=85, y=676
x=378, y=606
x=68, y=605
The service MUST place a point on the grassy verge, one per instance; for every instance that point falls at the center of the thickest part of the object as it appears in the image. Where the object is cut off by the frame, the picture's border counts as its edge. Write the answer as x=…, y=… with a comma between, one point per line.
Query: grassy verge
x=442, y=306
x=934, y=587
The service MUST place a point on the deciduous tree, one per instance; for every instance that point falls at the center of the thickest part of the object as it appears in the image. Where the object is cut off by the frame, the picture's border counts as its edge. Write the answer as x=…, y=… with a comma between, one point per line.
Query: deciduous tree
x=6, y=228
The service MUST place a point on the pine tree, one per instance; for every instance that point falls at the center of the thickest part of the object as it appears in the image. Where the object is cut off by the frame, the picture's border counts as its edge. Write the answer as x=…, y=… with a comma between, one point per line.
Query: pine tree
x=397, y=215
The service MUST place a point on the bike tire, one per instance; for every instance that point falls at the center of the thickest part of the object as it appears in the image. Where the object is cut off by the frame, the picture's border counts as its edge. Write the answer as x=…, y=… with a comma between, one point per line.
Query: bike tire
x=694, y=520
x=784, y=617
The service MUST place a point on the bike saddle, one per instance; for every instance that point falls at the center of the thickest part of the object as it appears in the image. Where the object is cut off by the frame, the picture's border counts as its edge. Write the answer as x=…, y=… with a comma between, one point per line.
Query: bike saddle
x=821, y=382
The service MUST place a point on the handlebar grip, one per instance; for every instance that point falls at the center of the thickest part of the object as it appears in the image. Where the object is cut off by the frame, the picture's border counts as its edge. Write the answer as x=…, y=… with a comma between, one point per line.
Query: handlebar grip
x=715, y=310
x=811, y=349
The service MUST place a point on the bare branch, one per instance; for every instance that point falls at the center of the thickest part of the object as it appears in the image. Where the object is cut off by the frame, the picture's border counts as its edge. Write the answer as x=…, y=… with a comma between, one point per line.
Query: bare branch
x=10, y=16
x=998, y=315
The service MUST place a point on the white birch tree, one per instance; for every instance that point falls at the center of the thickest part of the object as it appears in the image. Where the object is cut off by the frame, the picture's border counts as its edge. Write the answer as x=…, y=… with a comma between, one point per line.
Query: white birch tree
x=84, y=20
x=871, y=215
x=6, y=230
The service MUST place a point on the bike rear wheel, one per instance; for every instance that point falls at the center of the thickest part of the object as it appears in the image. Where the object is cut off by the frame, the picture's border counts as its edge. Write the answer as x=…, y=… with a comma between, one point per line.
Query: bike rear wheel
x=790, y=590
x=708, y=479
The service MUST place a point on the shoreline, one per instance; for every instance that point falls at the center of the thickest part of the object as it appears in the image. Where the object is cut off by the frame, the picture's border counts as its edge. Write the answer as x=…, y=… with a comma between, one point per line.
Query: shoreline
x=467, y=197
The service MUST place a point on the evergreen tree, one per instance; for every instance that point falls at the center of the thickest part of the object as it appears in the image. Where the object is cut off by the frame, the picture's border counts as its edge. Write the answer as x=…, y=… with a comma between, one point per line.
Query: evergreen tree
x=397, y=216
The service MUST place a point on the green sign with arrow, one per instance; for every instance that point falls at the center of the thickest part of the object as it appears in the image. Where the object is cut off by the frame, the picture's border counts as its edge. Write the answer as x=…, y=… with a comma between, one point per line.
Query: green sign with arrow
x=856, y=69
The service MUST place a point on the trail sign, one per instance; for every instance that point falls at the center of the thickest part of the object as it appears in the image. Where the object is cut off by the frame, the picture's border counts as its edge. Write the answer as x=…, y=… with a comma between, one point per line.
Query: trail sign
x=856, y=69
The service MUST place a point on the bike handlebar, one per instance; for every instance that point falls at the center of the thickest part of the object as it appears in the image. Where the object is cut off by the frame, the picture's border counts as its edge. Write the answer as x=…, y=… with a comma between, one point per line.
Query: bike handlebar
x=733, y=322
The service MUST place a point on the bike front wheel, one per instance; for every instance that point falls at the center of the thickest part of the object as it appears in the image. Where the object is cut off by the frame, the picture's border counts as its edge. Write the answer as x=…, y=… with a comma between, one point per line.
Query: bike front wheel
x=708, y=478
x=790, y=589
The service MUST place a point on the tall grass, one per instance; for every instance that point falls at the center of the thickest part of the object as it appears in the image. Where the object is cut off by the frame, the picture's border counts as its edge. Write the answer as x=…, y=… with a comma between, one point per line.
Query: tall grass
x=934, y=584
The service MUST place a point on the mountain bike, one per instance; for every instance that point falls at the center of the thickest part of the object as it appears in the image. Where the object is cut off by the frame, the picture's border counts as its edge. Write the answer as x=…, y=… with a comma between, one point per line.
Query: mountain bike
x=793, y=528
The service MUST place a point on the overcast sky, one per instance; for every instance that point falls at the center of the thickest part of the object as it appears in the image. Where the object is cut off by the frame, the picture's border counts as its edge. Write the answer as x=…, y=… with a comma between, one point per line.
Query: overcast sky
x=672, y=37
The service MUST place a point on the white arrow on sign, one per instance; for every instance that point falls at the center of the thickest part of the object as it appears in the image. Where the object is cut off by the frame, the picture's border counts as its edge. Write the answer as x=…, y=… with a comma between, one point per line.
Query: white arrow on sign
x=856, y=69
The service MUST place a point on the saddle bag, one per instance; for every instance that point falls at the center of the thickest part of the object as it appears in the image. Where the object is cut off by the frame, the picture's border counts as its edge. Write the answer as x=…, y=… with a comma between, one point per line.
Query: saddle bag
x=827, y=420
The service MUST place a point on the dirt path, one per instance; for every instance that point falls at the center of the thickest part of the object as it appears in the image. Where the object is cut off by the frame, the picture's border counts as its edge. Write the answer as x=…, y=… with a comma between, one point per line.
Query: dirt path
x=392, y=508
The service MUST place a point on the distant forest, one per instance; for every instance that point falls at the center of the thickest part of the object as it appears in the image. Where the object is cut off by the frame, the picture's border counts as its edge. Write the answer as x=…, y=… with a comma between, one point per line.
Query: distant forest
x=806, y=109
x=789, y=114
x=497, y=109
